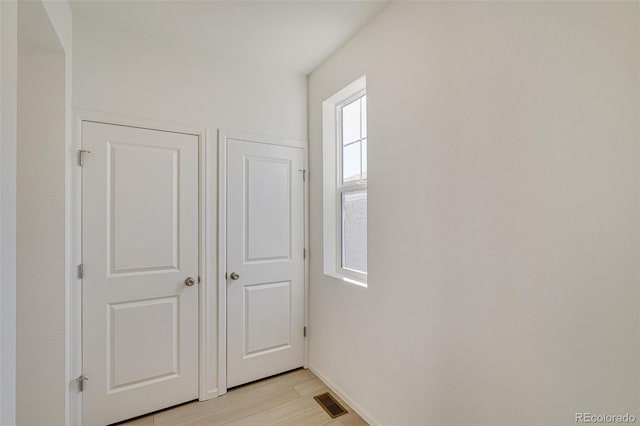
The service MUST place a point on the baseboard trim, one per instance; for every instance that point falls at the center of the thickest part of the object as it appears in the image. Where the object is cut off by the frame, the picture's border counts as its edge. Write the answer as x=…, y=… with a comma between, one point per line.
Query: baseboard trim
x=213, y=393
x=346, y=398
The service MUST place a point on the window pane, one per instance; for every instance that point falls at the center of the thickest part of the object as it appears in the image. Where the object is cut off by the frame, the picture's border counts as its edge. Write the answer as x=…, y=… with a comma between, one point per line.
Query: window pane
x=351, y=163
x=364, y=159
x=354, y=231
x=364, y=116
x=351, y=122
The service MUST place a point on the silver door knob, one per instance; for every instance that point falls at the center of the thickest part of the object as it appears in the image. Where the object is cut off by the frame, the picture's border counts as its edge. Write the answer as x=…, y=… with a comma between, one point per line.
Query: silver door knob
x=189, y=282
x=234, y=276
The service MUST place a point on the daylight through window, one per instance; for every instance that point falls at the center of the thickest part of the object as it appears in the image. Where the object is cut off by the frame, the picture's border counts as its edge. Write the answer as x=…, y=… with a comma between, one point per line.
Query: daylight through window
x=352, y=185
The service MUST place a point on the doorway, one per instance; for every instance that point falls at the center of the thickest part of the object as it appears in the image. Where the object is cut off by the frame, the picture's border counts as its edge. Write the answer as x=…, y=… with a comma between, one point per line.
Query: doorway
x=140, y=270
x=264, y=183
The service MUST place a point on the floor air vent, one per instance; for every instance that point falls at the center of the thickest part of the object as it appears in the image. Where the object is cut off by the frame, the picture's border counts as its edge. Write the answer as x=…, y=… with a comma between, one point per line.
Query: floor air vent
x=330, y=405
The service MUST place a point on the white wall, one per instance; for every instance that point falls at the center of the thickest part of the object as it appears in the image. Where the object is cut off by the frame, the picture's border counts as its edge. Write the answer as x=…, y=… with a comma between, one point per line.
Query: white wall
x=41, y=237
x=128, y=74
x=8, y=77
x=60, y=16
x=44, y=95
x=503, y=215
x=125, y=73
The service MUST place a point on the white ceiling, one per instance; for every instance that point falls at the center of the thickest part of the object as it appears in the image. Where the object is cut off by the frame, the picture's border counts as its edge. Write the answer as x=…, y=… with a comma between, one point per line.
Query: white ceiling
x=290, y=35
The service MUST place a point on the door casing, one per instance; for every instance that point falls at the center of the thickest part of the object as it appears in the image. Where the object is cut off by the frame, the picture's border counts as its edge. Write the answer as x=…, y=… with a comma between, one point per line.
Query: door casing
x=212, y=289
x=206, y=241
x=223, y=138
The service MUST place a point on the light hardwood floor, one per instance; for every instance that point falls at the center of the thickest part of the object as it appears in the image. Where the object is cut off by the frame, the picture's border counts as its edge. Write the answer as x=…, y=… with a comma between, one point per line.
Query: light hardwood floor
x=282, y=400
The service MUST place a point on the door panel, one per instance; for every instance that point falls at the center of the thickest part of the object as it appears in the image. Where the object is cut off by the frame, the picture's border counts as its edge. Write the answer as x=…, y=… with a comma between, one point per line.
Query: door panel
x=140, y=243
x=142, y=342
x=268, y=209
x=265, y=241
x=268, y=310
x=154, y=216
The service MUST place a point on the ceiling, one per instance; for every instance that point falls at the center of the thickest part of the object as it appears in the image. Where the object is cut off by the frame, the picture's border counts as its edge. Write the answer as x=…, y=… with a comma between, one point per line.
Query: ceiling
x=294, y=36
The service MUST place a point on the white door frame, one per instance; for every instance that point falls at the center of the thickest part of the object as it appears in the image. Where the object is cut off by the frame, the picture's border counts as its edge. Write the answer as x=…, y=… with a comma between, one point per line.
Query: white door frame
x=223, y=138
x=206, y=242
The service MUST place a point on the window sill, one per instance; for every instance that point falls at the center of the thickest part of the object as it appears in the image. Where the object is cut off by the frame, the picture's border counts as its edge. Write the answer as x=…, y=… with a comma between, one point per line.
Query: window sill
x=346, y=279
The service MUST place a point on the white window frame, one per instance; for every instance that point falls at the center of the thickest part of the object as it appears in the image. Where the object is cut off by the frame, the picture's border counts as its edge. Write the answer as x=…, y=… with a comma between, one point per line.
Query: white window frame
x=333, y=189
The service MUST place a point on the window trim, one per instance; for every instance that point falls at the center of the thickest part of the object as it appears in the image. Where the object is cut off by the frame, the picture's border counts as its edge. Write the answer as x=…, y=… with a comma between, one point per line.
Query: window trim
x=342, y=188
x=340, y=146
x=340, y=270
x=332, y=182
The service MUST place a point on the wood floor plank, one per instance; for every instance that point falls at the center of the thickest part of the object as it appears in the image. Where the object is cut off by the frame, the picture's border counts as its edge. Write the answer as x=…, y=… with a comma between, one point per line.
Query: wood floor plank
x=310, y=386
x=267, y=385
x=283, y=400
x=239, y=409
x=140, y=421
x=276, y=414
x=243, y=393
x=312, y=417
x=352, y=419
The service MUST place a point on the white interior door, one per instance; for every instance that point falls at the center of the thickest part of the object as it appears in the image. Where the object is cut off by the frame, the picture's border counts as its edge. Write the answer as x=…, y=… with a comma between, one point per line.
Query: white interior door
x=139, y=244
x=265, y=264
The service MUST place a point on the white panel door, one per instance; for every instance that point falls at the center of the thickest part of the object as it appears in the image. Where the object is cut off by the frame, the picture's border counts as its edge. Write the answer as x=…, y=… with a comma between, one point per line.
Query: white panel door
x=139, y=244
x=265, y=265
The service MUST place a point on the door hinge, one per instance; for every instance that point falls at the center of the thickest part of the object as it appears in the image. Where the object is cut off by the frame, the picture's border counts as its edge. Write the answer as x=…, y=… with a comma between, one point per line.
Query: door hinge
x=304, y=331
x=80, y=381
x=304, y=253
x=80, y=156
x=81, y=271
